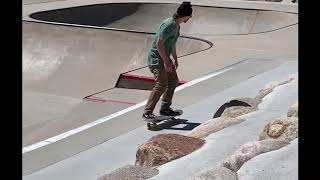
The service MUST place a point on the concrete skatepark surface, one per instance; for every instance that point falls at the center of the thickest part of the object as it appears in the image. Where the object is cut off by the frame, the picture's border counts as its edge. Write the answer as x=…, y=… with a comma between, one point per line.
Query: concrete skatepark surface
x=120, y=151
x=206, y=21
x=63, y=63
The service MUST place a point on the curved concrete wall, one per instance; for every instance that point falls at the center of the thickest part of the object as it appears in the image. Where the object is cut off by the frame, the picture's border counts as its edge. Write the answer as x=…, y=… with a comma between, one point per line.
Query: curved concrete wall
x=147, y=17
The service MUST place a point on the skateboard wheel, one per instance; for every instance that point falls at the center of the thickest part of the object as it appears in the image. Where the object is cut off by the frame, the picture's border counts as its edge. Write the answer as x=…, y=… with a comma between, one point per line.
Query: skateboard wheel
x=148, y=125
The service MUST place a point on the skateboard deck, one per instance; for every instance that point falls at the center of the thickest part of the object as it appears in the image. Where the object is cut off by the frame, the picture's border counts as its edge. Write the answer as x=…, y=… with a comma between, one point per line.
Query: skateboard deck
x=160, y=118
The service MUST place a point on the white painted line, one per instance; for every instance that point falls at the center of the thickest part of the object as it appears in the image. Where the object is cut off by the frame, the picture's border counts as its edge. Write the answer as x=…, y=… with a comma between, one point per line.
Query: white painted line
x=250, y=49
x=119, y=113
x=196, y=81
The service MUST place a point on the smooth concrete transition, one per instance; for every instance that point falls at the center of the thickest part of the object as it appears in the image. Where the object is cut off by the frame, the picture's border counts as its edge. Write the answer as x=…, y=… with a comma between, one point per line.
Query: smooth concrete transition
x=71, y=67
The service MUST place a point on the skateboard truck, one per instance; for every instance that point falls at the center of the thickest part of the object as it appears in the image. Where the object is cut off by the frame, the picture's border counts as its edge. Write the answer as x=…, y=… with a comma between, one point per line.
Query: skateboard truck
x=158, y=119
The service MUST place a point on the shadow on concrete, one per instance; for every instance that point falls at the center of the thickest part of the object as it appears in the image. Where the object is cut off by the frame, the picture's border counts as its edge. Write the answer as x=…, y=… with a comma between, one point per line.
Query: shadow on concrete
x=92, y=15
x=169, y=125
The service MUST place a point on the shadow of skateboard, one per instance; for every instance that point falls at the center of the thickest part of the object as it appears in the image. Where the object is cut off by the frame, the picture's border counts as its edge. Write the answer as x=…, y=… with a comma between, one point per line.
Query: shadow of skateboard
x=159, y=119
x=166, y=122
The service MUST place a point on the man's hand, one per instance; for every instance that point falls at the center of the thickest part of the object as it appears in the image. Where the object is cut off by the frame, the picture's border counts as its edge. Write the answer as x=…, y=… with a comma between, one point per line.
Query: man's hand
x=168, y=67
x=175, y=57
x=176, y=64
x=167, y=64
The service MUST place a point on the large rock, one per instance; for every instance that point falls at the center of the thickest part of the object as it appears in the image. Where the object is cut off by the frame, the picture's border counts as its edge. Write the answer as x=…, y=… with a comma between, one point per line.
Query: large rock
x=163, y=148
x=237, y=107
x=293, y=110
x=236, y=111
x=293, y=78
x=219, y=173
x=270, y=86
x=263, y=93
x=250, y=150
x=131, y=172
x=281, y=128
x=275, y=84
x=251, y=101
x=212, y=126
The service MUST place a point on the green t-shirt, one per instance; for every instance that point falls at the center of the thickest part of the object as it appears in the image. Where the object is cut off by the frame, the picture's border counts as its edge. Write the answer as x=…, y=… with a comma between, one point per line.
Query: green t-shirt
x=168, y=32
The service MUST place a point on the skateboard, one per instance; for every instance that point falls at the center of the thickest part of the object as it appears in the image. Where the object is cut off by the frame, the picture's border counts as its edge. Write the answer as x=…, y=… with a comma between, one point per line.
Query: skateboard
x=158, y=119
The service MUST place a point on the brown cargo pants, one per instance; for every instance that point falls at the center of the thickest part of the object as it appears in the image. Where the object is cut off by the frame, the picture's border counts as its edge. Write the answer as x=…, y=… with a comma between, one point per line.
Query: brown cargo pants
x=165, y=85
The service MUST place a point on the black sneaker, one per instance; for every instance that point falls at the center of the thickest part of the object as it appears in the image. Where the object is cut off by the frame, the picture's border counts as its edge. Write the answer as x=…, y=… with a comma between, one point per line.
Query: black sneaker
x=148, y=116
x=169, y=112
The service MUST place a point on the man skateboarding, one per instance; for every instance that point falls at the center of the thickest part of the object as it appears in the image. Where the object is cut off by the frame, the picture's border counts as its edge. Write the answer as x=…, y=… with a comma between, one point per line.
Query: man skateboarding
x=160, y=64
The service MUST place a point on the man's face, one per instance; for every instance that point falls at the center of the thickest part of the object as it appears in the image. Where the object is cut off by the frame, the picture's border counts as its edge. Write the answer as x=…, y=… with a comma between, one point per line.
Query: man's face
x=186, y=18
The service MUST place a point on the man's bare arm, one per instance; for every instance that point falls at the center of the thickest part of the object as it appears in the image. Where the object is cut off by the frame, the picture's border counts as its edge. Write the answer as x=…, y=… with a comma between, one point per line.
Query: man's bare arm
x=175, y=57
x=164, y=57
